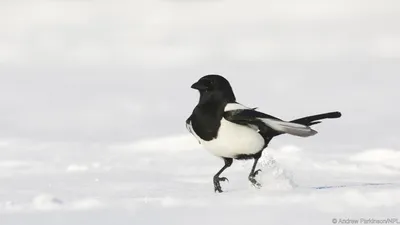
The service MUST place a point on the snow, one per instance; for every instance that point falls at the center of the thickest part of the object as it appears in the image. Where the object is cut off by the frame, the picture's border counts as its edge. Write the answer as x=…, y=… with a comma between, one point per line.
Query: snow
x=94, y=96
x=76, y=168
x=147, y=182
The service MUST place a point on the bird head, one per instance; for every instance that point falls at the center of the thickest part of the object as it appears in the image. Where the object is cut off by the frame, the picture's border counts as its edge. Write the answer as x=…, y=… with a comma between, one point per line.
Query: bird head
x=213, y=84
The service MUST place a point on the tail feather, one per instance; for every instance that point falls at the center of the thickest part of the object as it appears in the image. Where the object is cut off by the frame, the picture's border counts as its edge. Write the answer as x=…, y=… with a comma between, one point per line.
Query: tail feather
x=300, y=127
x=290, y=128
x=312, y=120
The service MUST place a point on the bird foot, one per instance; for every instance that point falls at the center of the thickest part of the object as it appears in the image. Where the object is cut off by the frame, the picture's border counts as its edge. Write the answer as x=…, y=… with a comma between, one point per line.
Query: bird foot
x=255, y=183
x=253, y=180
x=217, y=186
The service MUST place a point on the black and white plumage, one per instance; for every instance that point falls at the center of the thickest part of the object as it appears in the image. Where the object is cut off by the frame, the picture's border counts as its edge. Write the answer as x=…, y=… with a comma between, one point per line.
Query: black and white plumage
x=230, y=130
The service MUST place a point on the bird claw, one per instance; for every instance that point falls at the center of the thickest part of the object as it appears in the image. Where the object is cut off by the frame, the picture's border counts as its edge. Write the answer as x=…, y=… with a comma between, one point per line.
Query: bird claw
x=218, y=189
x=217, y=186
x=256, y=172
x=223, y=179
x=253, y=180
x=257, y=185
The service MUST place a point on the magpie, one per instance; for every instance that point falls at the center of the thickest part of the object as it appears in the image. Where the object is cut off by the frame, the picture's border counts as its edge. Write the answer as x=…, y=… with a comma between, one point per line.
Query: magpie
x=230, y=130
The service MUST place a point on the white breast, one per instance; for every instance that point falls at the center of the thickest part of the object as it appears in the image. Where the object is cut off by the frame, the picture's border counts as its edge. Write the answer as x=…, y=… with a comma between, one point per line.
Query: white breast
x=233, y=140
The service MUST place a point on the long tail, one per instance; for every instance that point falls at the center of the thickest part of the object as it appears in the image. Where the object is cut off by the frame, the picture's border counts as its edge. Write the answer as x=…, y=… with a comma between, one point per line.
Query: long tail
x=299, y=127
x=312, y=120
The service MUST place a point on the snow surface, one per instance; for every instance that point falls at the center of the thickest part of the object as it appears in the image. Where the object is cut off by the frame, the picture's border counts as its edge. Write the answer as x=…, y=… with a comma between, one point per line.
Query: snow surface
x=94, y=95
x=169, y=181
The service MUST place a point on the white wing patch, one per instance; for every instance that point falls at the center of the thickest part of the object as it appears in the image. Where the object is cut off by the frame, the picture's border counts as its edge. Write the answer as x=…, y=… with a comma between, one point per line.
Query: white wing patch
x=190, y=129
x=290, y=128
x=235, y=106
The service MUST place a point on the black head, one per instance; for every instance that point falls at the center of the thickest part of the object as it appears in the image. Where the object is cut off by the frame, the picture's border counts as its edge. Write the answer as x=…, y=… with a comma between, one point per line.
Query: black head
x=212, y=84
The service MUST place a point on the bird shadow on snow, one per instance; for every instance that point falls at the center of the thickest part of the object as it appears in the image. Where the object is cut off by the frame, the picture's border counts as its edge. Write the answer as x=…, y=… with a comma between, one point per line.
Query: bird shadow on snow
x=275, y=177
x=355, y=185
x=327, y=187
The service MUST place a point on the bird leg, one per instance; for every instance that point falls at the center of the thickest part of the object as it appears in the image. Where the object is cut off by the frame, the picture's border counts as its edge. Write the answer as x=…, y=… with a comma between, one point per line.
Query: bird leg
x=217, y=179
x=254, y=172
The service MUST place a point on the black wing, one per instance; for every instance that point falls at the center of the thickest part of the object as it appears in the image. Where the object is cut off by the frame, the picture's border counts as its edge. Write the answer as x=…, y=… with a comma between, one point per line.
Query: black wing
x=268, y=126
x=248, y=114
x=252, y=118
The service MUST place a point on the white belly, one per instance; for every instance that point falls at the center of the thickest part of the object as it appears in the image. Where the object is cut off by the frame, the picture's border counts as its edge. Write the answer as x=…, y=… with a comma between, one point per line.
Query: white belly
x=233, y=140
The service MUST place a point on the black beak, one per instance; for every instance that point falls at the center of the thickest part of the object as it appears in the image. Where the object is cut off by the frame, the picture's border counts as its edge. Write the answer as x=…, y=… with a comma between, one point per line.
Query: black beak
x=198, y=86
